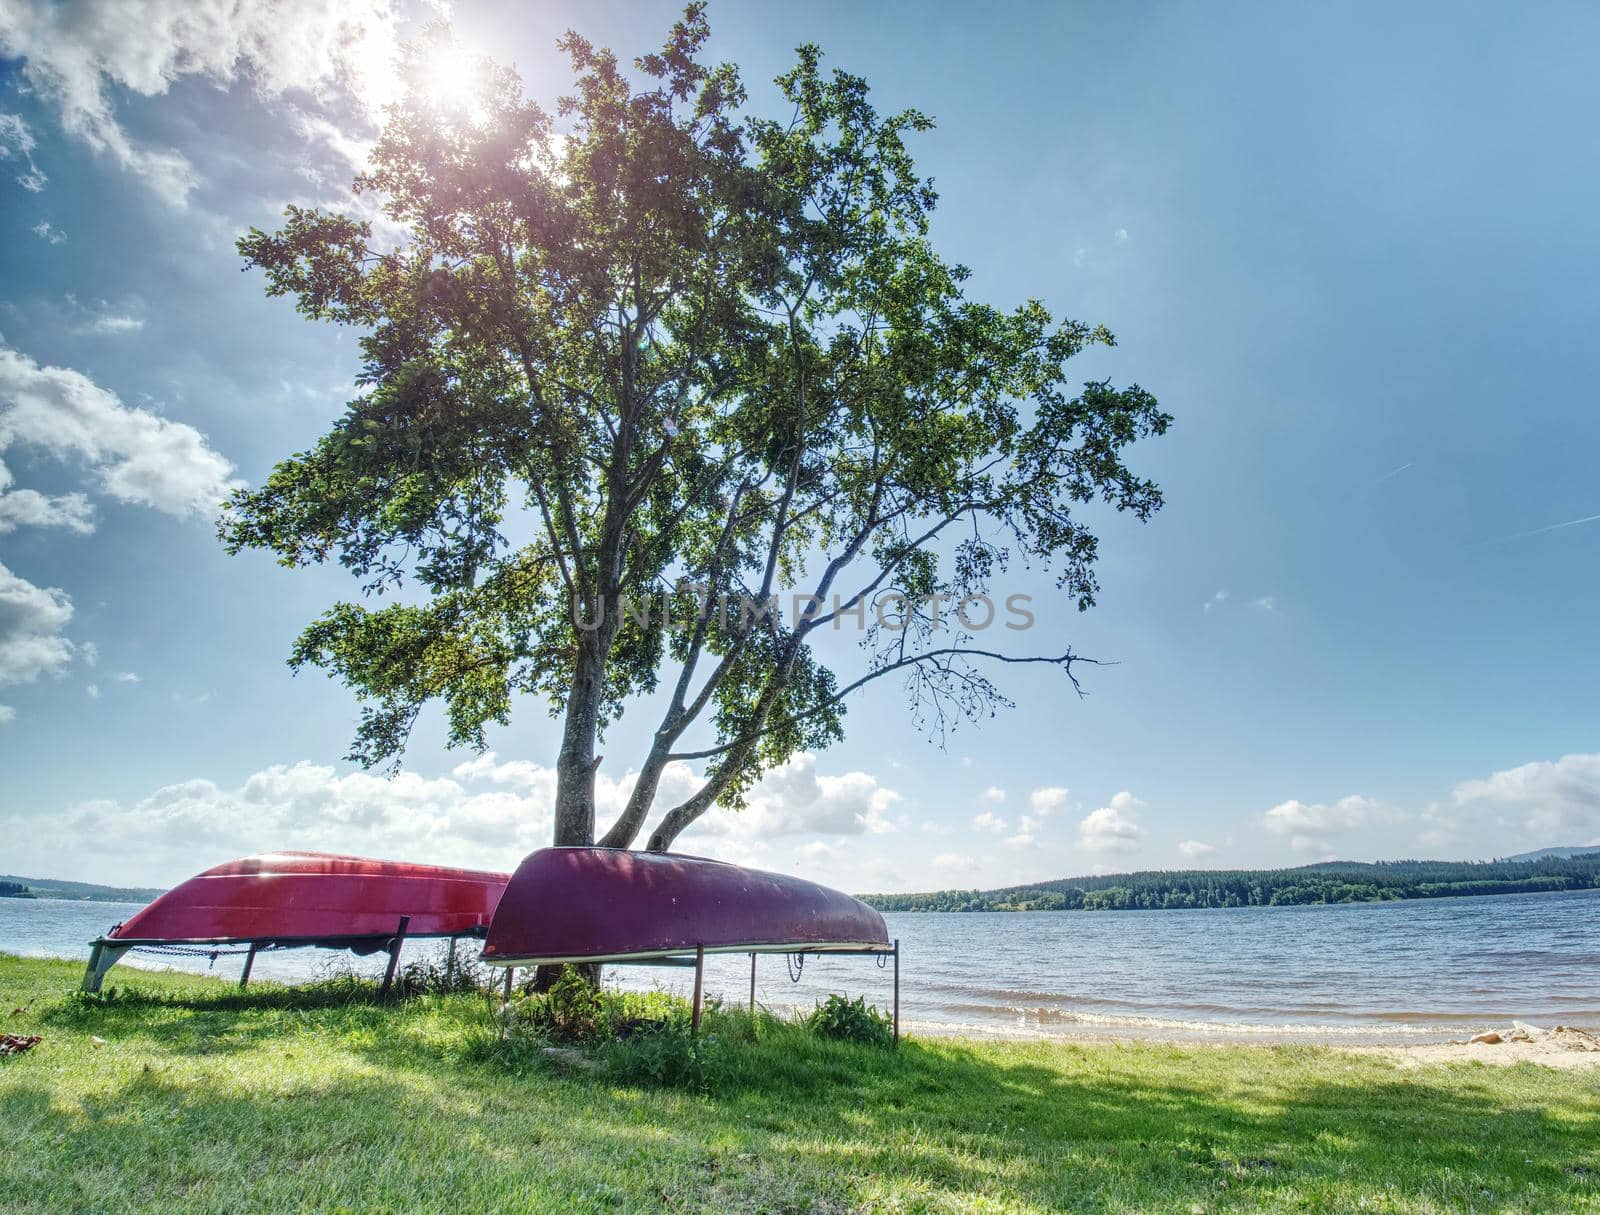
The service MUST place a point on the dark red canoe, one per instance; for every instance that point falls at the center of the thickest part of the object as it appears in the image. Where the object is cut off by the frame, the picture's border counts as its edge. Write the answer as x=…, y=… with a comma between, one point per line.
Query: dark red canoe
x=613, y=905
x=282, y=899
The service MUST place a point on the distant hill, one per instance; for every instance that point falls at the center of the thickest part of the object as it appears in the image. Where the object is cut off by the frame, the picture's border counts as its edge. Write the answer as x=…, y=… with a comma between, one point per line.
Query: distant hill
x=1325, y=882
x=88, y=892
x=1560, y=854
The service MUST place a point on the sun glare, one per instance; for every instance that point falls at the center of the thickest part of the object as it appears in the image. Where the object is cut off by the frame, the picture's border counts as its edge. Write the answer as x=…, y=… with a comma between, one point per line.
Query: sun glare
x=451, y=81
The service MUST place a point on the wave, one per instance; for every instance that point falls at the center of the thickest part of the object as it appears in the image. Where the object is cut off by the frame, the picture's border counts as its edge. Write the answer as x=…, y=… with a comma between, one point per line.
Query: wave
x=1047, y=1023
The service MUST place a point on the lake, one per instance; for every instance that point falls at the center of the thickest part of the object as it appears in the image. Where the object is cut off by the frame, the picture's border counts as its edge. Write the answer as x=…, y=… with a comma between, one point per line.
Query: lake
x=1365, y=972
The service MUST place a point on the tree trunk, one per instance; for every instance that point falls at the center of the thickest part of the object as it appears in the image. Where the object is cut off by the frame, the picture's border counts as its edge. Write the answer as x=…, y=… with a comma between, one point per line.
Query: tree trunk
x=681, y=816
x=575, y=765
x=626, y=828
x=575, y=774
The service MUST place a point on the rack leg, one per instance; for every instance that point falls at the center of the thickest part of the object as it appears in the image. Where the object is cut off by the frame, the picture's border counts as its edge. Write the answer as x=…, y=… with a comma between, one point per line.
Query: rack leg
x=699, y=986
x=450, y=963
x=510, y=970
x=897, y=991
x=101, y=959
x=394, y=955
x=249, y=965
x=752, y=983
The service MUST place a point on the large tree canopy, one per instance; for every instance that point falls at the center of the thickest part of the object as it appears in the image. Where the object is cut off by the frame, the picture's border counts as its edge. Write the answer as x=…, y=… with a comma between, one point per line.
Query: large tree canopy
x=653, y=358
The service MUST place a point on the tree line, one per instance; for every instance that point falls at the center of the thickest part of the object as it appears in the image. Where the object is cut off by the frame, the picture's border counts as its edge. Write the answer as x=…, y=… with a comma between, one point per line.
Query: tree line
x=1326, y=882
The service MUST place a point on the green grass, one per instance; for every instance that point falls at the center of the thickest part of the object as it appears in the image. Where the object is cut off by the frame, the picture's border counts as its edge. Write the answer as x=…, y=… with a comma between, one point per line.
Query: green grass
x=208, y=1100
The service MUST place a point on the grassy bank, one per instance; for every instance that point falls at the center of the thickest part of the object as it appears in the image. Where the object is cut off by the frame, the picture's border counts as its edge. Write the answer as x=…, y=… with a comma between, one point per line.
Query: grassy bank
x=214, y=1101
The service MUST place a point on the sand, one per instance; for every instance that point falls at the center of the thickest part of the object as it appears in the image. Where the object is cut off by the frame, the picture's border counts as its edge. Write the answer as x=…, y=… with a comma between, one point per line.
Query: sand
x=1562, y=1046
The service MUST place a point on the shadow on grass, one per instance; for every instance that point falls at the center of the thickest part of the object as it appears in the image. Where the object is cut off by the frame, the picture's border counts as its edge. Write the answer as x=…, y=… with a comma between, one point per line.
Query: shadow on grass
x=209, y=1021
x=796, y=1124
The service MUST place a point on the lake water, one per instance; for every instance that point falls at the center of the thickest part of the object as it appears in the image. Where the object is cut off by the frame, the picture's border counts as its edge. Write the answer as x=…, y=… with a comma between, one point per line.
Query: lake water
x=1372, y=972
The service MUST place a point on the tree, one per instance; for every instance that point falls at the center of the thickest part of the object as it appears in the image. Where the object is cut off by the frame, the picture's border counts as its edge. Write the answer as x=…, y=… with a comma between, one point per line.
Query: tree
x=629, y=383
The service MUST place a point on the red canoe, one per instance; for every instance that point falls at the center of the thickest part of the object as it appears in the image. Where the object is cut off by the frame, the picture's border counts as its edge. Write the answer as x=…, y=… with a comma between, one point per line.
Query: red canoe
x=613, y=905
x=284, y=899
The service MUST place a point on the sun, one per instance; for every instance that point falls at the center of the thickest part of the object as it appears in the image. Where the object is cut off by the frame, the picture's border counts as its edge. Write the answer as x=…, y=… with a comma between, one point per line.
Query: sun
x=452, y=81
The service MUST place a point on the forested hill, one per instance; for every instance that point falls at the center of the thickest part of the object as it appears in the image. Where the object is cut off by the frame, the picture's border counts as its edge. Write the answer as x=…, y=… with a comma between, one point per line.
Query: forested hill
x=52, y=888
x=1328, y=882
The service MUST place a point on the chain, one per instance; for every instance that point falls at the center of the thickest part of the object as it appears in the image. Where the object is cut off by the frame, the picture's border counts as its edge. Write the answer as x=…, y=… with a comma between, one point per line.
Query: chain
x=188, y=951
x=796, y=963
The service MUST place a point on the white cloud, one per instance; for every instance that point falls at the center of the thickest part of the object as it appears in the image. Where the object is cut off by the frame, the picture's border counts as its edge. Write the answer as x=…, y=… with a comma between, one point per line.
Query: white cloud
x=30, y=508
x=46, y=231
x=1266, y=603
x=1216, y=600
x=994, y=794
x=353, y=151
x=1023, y=839
x=16, y=140
x=138, y=456
x=1545, y=803
x=89, y=318
x=793, y=799
x=7, y=715
x=989, y=821
x=32, y=620
x=186, y=826
x=1112, y=827
x=106, y=321
x=486, y=814
x=117, y=323
x=1195, y=849
x=94, y=691
x=1309, y=826
x=819, y=851
x=1120, y=236
x=1048, y=800
x=520, y=773
x=77, y=55
x=953, y=860
x=127, y=677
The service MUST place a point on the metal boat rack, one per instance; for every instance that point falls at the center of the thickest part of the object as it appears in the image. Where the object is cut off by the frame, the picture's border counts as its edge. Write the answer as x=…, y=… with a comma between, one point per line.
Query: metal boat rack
x=697, y=959
x=105, y=952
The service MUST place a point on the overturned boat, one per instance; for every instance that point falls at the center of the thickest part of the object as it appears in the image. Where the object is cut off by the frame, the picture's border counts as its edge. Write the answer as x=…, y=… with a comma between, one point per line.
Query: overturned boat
x=612, y=905
x=282, y=900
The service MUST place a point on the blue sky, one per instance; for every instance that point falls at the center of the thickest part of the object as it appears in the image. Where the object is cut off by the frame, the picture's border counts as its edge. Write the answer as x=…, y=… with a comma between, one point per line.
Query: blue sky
x=1351, y=251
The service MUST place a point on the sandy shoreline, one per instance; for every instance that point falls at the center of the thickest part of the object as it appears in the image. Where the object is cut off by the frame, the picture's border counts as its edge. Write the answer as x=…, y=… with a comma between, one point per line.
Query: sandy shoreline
x=1503, y=1054
x=1560, y=1046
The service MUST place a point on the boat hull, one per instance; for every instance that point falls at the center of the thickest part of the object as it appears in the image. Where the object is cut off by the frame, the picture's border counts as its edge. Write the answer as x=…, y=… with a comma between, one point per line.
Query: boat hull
x=312, y=898
x=615, y=905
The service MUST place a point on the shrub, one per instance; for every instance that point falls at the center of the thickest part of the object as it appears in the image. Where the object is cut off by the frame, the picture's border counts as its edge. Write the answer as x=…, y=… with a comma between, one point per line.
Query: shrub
x=571, y=1012
x=667, y=1053
x=737, y=1025
x=573, y=1009
x=639, y=1037
x=847, y=1020
x=433, y=976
